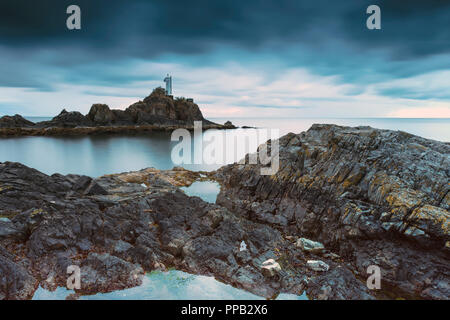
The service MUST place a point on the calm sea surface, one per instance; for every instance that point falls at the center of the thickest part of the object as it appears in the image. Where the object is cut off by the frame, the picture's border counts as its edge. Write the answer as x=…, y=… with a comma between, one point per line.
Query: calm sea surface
x=98, y=155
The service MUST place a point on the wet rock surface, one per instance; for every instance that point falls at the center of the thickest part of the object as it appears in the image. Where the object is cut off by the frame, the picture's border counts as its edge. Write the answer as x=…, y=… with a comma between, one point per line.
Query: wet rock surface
x=156, y=112
x=372, y=197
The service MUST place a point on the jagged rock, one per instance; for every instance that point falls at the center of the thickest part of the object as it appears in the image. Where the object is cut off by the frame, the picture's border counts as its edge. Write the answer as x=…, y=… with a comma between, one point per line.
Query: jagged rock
x=161, y=108
x=154, y=227
x=15, y=281
x=188, y=111
x=270, y=268
x=230, y=125
x=100, y=114
x=9, y=231
x=82, y=183
x=128, y=227
x=14, y=121
x=95, y=189
x=374, y=197
x=337, y=284
x=66, y=120
x=309, y=245
x=317, y=265
x=73, y=296
x=103, y=272
x=123, y=118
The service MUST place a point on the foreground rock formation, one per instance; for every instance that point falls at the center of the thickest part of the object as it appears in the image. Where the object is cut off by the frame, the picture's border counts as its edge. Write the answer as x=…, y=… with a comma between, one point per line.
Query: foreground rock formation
x=374, y=197
x=158, y=111
x=343, y=199
x=117, y=227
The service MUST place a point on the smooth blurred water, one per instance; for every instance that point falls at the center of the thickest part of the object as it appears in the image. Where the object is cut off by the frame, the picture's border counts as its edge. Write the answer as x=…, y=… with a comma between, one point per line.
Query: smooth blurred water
x=171, y=285
x=99, y=155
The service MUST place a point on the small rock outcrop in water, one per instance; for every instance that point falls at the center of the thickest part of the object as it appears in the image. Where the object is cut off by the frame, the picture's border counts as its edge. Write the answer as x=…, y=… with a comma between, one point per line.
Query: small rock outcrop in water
x=158, y=111
x=101, y=114
x=14, y=122
x=67, y=120
x=375, y=197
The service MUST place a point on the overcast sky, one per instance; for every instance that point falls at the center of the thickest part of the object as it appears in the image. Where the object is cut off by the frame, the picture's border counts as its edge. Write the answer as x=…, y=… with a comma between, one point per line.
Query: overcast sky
x=297, y=58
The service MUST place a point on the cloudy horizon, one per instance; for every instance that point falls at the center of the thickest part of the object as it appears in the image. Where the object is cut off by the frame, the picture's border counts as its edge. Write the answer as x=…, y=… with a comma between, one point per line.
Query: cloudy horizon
x=236, y=59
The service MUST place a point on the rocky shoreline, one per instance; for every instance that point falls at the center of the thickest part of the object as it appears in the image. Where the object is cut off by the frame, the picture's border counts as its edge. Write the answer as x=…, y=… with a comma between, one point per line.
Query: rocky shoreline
x=343, y=199
x=157, y=112
x=374, y=197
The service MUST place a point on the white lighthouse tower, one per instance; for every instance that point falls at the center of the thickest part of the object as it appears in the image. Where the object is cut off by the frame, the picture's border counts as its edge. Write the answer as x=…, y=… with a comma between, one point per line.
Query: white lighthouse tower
x=168, y=81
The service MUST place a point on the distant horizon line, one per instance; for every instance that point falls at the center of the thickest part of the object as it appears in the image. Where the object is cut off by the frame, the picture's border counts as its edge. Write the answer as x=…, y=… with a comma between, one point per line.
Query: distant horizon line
x=222, y=117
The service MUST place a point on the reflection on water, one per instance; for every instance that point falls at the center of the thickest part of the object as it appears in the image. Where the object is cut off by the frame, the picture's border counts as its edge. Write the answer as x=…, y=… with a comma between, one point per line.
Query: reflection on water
x=171, y=285
x=91, y=155
x=206, y=190
x=98, y=155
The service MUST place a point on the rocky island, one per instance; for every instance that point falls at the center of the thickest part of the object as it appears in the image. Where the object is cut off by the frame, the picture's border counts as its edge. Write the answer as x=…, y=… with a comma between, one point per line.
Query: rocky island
x=156, y=112
x=343, y=199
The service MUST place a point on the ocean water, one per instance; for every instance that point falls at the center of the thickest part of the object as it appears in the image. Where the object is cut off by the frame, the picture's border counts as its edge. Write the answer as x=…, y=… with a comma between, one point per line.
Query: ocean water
x=99, y=155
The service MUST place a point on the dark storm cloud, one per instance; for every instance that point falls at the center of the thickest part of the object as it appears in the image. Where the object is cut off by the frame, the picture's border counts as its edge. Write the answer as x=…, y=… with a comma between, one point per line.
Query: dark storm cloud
x=328, y=37
x=147, y=28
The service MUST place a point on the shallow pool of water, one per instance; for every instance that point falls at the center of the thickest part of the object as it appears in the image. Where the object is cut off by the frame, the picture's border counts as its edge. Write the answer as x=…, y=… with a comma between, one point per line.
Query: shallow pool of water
x=206, y=190
x=171, y=285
